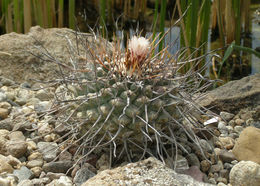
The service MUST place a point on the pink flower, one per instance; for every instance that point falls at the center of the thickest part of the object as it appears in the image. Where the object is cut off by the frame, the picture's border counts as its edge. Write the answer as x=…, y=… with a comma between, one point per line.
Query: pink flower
x=138, y=47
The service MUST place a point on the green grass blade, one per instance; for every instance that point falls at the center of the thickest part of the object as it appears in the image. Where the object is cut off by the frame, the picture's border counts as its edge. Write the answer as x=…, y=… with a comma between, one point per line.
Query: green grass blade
x=233, y=47
x=155, y=17
x=27, y=15
x=9, y=18
x=226, y=56
x=72, y=14
x=193, y=20
x=246, y=49
x=60, y=13
x=49, y=18
x=237, y=11
x=220, y=23
x=205, y=20
x=184, y=6
x=16, y=16
x=162, y=22
x=102, y=9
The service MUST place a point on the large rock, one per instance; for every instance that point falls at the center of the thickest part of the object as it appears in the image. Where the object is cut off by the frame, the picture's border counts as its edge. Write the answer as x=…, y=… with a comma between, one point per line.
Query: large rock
x=147, y=172
x=234, y=95
x=247, y=146
x=17, y=61
x=245, y=173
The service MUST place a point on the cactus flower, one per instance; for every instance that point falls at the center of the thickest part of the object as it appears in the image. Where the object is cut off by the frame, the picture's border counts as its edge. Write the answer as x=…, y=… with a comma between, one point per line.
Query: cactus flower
x=138, y=48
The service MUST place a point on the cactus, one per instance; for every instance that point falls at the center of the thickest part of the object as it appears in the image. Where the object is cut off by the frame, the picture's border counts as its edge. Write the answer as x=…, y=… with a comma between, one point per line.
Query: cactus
x=126, y=100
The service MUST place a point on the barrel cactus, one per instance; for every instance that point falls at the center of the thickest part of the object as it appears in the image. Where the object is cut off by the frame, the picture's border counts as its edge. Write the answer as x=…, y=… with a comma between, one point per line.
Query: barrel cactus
x=126, y=100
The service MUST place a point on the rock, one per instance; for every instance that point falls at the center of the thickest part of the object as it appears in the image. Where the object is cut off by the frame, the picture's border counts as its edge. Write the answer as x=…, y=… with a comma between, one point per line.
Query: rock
x=226, y=156
x=57, y=167
x=3, y=96
x=34, y=163
x=7, y=179
x=228, y=166
x=234, y=95
x=256, y=124
x=10, y=95
x=193, y=160
x=16, y=136
x=222, y=127
x=205, y=165
x=4, y=113
x=226, y=116
x=40, y=181
x=44, y=128
x=217, y=167
x=21, y=101
x=35, y=156
x=25, y=85
x=247, y=145
x=42, y=106
x=103, y=162
x=14, y=162
x=16, y=148
x=7, y=82
x=224, y=173
x=65, y=155
x=239, y=121
x=63, y=181
x=49, y=150
x=6, y=124
x=180, y=164
x=245, y=173
x=205, y=145
x=20, y=46
x=54, y=176
x=3, y=148
x=43, y=95
x=195, y=173
x=82, y=176
x=23, y=173
x=234, y=162
x=22, y=95
x=36, y=171
x=5, y=105
x=33, y=101
x=222, y=180
x=5, y=167
x=146, y=172
x=212, y=181
x=26, y=182
x=31, y=145
x=231, y=123
x=225, y=142
x=238, y=129
x=230, y=129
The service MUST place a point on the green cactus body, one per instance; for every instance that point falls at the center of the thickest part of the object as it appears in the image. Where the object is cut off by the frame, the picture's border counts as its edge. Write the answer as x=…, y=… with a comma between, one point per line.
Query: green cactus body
x=127, y=104
x=123, y=97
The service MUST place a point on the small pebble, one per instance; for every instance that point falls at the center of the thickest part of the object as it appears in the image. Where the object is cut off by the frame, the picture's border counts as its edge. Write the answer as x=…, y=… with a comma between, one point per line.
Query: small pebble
x=223, y=180
x=226, y=115
x=212, y=181
x=239, y=122
x=238, y=129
